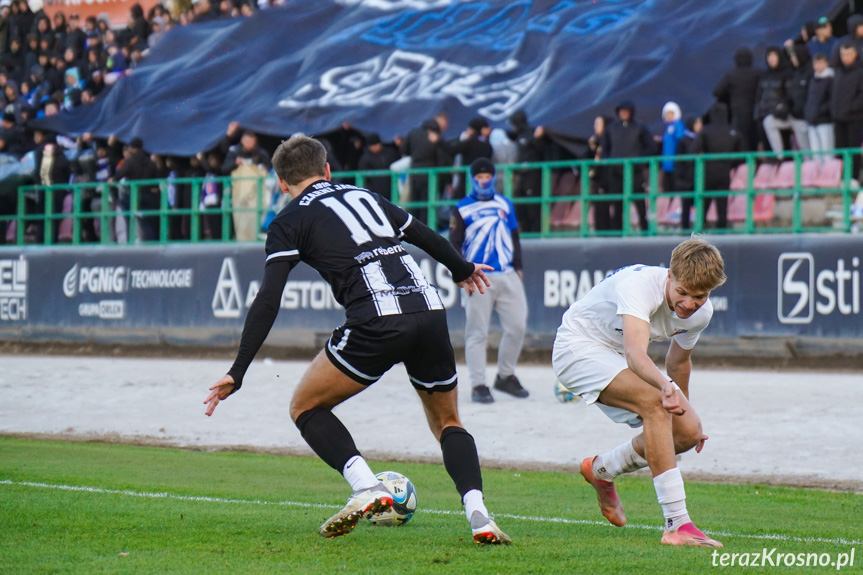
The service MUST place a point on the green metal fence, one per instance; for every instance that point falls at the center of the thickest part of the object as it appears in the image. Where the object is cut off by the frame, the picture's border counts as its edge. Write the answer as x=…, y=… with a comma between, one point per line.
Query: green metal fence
x=567, y=187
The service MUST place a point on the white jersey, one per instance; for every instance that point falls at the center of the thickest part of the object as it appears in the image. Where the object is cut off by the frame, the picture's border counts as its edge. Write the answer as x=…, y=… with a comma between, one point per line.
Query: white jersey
x=639, y=291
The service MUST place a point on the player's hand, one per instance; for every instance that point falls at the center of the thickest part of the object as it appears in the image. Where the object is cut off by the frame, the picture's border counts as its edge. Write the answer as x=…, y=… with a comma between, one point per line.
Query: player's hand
x=477, y=281
x=219, y=391
x=671, y=399
x=700, y=445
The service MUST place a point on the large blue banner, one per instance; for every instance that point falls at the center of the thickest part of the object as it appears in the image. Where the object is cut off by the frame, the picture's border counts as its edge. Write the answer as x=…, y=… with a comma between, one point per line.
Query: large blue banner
x=386, y=65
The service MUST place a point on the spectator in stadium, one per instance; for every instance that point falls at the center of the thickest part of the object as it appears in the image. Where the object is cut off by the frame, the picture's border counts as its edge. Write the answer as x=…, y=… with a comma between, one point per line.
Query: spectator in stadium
x=684, y=172
x=675, y=130
x=824, y=41
x=13, y=61
x=854, y=36
x=76, y=39
x=469, y=147
x=376, y=157
x=717, y=137
x=427, y=149
x=5, y=13
x=772, y=95
x=247, y=163
x=484, y=229
x=846, y=103
x=796, y=88
x=530, y=148
x=21, y=21
x=738, y=89
x=817, y=109
x=624, y=138
x=137, y=28
x=52, y=168
x=211, y=197
x=72, y=93
x=600, y=355
x=137, y=165
x=411, y=330
x=11, y=134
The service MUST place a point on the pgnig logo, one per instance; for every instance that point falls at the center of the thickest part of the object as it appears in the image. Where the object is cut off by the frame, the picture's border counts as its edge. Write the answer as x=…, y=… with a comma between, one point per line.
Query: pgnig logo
x=804, y=290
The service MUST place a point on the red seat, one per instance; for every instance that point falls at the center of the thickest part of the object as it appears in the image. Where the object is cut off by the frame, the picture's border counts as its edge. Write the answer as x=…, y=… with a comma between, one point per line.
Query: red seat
x=762, y=208
x=783, y=178
x=830, y=175
x=809, y=173
x=737, y=208
x=740, y=177
x=764, y=176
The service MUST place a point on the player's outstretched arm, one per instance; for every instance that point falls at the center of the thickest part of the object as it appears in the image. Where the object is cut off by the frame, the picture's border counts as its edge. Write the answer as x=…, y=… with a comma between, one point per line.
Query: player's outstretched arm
x=219, y=391
x=435, y=245
x=258, y=323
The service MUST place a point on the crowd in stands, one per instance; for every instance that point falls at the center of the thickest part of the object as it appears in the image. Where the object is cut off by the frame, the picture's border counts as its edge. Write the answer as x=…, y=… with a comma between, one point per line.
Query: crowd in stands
x=808, y=95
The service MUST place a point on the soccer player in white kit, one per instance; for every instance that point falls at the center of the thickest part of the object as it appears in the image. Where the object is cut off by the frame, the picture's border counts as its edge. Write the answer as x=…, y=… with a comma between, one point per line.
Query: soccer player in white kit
x=600, y=354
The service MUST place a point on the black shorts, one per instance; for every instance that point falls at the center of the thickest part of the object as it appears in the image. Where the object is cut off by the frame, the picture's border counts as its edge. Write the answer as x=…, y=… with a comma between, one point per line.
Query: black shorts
x=366, y=351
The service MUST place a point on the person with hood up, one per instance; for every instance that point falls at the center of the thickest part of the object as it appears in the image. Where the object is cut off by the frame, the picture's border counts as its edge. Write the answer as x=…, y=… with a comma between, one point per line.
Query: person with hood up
x=737, y=89
x=72, y=92
x=846, y=103
x=625, y=138
x=530, y=148
x=717, y=137
x=816, y=112
x=484, y=229
x=675, y=130
x=795, y=94
x=427, y=149
x=772, y=94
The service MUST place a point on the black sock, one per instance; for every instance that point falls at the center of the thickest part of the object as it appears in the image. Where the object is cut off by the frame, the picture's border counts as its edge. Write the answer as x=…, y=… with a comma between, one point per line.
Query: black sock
x=327, y=436
x=460, y=459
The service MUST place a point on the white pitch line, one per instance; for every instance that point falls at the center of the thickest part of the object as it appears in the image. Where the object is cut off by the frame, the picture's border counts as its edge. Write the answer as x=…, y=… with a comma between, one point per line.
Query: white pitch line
x=766, y=536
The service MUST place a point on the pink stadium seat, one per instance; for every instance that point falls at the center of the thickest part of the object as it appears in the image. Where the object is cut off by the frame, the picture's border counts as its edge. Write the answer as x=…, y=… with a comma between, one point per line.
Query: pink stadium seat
x=809, y=173
x=737, y=208
x=740, y=177
x=11, y=232
x=783, y=178
x=668, y=210
x=762, y=208
x=830, y=175
x=764, y=176
x=711, y=212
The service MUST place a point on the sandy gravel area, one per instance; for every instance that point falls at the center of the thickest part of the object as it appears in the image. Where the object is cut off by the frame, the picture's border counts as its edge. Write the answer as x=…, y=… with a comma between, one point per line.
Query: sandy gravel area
x=796, y=428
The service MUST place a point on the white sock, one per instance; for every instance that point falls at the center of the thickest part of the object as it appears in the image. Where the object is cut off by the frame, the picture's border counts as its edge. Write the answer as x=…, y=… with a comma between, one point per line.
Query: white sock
x=672, y=497
x=358, y=474
x=622, y=459
x=473, y=502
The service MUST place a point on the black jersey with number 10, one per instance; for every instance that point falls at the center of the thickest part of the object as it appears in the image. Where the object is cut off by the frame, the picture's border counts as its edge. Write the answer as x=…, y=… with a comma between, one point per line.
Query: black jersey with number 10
x=351, y=237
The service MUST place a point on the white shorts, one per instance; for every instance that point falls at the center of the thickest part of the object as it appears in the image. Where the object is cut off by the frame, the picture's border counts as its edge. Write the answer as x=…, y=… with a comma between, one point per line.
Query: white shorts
x=585, y=368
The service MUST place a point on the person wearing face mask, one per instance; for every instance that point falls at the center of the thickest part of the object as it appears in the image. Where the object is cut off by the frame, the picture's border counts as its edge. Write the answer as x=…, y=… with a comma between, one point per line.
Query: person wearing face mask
x=484, y=228
x=600, y=355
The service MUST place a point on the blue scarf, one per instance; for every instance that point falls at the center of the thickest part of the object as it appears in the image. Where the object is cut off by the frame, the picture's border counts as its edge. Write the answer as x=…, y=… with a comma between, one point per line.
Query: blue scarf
x=482, y=192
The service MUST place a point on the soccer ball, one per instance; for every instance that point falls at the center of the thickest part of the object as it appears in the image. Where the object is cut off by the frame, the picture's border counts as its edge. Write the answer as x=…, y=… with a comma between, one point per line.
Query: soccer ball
x=563, y=395
x=404, y=500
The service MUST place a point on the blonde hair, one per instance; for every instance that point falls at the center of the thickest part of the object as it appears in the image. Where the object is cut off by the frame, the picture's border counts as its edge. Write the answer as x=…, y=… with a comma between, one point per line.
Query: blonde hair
x=697, y=264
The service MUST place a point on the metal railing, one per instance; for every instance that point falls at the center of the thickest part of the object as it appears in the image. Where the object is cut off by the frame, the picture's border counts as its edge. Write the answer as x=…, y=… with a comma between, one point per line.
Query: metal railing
x=89, y=212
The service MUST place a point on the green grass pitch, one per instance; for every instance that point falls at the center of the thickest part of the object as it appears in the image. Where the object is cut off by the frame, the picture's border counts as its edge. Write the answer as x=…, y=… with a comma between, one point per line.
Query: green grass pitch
x=155, y=510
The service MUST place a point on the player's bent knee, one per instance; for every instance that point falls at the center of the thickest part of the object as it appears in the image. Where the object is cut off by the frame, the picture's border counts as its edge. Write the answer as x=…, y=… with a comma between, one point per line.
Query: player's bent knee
x=687, y=435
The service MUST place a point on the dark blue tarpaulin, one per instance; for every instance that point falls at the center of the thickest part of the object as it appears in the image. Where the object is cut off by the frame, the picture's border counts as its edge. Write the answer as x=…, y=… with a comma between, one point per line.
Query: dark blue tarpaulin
x=385, y=65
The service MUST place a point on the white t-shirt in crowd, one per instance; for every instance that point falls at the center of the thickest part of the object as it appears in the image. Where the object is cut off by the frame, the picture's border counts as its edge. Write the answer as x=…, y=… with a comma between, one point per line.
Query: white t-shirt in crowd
x=639, y=291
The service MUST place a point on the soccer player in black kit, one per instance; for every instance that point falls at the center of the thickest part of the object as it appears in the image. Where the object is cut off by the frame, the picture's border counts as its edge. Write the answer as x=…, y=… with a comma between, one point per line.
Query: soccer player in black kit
x=352, y=238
